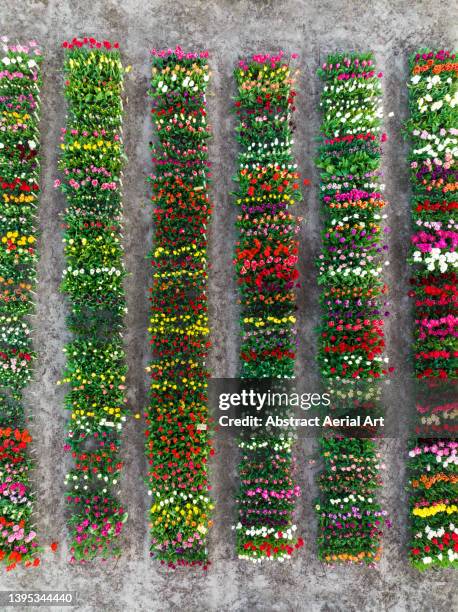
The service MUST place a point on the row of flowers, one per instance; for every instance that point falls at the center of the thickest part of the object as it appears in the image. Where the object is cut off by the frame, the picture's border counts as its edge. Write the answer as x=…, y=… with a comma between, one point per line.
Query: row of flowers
x=20, y=81
x=265, y=262
x=91, y=164
x=178, y=441
x=350, y=270
x=433, y=463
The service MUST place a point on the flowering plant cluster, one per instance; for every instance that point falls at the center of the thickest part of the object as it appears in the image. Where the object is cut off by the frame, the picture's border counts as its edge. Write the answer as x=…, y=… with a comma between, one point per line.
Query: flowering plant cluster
x=432, y=128
x=434, y=176
x=351, y=519
x=91, y=163
x=265, y=262
x=177, y=438
x=350, y=271
x=20, y=81
x=433, y=469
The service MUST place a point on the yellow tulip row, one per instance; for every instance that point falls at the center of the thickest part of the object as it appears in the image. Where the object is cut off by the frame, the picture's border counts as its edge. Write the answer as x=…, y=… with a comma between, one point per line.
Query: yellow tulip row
x=433, y=510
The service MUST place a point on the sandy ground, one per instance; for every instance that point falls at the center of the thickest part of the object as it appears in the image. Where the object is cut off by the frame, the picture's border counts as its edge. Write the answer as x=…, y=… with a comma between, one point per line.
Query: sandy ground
x=229, y=29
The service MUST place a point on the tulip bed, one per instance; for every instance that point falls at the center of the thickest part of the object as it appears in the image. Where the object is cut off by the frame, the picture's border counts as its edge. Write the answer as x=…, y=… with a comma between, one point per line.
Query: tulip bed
x=350, y=272
x=178, y=440
x=91, y=162
x=266, y=256
x=20, y=81
x=433, y=464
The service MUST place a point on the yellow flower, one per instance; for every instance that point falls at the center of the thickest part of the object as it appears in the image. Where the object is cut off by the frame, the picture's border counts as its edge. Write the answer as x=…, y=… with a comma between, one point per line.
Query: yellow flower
x=435, y=509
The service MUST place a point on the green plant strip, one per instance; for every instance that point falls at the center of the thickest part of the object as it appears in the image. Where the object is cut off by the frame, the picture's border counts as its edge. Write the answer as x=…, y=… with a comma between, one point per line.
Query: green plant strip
x=91, y=163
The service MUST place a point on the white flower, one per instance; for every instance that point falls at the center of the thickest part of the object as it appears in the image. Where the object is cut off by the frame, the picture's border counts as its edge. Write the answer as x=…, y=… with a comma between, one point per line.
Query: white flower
x=6, y=61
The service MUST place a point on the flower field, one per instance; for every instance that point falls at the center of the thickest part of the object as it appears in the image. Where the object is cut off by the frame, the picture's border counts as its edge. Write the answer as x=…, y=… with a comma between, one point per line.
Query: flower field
x=181, y=417
x=91, y=163
x=265, y=262
x=433, y=465
x=350, y=270
x=178, y=441
x=20, y=82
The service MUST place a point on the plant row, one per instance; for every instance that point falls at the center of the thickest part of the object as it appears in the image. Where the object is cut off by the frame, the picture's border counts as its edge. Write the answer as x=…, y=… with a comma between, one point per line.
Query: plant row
x=178, y=441
x=91, y=163
x=350, y=271
x=265, y=263
x=433, y=464
x=20, y=81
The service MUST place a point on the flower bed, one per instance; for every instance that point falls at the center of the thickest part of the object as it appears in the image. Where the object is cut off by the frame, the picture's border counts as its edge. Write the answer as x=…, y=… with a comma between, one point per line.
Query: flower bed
x=266, y=256
x=20, y=81
x=433, y=463
x=350, y=270
x=91, y=161
x=177, y=437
